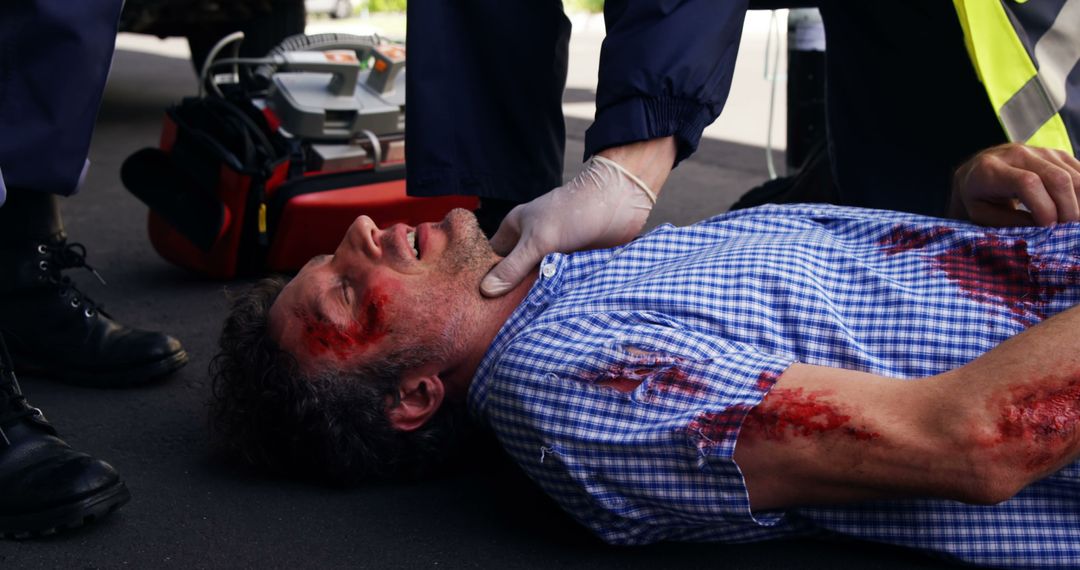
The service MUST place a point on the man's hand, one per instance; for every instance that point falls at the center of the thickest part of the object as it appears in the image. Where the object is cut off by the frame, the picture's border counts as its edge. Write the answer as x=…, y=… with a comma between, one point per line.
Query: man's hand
x=1017, y=185
x=605, y=205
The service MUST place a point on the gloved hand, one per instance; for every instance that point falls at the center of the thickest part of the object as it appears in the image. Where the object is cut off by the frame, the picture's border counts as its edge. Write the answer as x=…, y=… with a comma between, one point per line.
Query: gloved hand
x=1017, y=185
x=603, y=206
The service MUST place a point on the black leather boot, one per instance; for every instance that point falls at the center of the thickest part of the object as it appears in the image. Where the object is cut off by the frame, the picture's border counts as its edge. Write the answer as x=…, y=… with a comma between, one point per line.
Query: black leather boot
x=53, y=328
x=45, y=486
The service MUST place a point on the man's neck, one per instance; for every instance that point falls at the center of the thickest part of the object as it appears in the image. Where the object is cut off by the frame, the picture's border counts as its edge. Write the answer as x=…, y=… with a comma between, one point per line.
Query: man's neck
x=493, y=314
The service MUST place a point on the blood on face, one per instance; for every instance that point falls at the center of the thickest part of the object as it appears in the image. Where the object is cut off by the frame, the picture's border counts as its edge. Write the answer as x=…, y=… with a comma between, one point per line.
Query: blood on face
x=322, y=337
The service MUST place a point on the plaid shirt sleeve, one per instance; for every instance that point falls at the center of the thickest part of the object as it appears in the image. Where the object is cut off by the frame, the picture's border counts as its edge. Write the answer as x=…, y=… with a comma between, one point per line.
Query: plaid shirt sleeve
x=633, y=430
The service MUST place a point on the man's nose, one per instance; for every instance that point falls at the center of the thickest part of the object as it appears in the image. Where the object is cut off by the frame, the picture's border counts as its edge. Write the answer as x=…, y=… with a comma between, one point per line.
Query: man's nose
x=362, y=237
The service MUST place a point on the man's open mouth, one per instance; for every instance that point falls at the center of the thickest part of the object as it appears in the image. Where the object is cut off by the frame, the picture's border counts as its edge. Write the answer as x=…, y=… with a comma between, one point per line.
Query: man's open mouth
x=411, y=238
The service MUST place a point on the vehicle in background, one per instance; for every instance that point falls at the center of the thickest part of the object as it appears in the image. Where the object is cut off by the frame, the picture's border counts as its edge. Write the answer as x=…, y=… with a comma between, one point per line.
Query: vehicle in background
x=203, y=22
x=336, y=8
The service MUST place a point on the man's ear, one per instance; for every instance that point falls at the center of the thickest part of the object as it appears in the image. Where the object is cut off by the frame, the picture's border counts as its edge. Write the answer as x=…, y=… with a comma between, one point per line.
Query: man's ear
x=420, y=397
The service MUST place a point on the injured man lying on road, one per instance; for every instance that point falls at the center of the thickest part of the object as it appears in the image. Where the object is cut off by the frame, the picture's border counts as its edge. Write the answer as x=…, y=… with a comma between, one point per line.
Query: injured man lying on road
x=774, y=372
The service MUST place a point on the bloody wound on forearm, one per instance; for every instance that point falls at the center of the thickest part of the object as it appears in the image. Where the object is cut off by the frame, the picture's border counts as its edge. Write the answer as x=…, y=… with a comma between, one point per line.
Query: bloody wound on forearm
x=1044, y=416
x=794, y=412
x=784, y=414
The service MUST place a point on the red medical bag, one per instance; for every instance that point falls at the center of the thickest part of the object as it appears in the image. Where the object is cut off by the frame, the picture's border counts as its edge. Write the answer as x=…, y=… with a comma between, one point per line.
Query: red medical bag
x=271, y=167
x=229, y=195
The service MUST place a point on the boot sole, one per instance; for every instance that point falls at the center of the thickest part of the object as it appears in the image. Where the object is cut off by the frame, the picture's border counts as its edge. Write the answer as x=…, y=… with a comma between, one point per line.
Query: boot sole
x=136, y=376
x=65, y=517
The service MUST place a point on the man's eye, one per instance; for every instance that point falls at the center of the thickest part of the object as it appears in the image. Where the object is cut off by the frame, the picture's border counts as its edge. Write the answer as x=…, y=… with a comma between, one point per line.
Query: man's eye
x=345, y=291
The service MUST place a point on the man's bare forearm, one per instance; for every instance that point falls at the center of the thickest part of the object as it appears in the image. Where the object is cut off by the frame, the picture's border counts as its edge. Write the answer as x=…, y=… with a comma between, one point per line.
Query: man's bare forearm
x=1024, y=421
x=650, y=160
x=978, y=434
x=831, y=436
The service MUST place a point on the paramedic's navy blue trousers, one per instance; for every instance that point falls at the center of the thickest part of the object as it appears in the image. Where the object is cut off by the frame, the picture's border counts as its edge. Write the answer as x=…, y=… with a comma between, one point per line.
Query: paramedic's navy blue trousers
x=54, y=60
x=484, y=83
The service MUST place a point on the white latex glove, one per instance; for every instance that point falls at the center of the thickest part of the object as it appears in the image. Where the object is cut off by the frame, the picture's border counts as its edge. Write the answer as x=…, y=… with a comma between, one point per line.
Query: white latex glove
x=603, y=206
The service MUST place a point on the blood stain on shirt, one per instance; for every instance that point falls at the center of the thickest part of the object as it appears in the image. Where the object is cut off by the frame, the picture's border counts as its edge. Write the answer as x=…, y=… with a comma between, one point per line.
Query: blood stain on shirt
x=621, y=383
x=997, y=271
x=766, y=380
x=710, y=429
x=903, y=238
x=1044, y=414
x=660, y=378
x=322, y=336
x=992, y=269
x=793, y=412
x=672, y=380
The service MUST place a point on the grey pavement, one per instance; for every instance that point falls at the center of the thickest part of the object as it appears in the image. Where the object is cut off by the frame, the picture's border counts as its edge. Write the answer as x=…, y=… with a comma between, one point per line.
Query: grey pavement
x=190, y=510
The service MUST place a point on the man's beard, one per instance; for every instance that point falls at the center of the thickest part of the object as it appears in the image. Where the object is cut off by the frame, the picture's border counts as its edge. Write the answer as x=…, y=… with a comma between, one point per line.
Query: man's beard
x=469, y=250
x=464, y=263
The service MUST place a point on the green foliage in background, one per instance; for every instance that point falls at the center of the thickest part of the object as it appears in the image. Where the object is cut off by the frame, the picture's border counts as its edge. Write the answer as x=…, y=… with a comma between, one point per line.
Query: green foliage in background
x=386, y=5
x=583, y=5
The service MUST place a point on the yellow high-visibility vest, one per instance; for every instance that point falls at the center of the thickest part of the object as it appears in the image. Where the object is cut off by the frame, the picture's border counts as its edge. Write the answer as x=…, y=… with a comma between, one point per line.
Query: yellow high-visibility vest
x=1027, y=96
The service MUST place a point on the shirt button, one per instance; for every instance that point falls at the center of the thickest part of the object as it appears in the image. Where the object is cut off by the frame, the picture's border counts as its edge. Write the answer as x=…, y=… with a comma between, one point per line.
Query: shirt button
x=548, y=270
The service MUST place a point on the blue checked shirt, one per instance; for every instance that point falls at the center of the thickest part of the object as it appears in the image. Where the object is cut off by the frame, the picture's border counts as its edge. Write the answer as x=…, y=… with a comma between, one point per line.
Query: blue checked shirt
x=620, y=383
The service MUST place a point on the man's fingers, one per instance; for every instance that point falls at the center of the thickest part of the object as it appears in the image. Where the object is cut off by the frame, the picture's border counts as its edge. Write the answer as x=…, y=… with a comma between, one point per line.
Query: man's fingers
x=511, y=271
x=1068, y=161
x=1045, y=181
x=508, y=234
x=999, y=215
x=1028, y=187
x=1055, y=181
x=1071, y=166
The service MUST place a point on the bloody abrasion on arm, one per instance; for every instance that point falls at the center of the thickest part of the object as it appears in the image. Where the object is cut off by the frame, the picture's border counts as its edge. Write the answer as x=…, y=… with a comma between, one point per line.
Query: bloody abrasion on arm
x=978, y=434
x=831, y=436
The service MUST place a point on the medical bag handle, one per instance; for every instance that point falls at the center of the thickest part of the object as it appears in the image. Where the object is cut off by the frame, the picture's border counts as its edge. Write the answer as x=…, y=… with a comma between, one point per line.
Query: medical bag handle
x=362, y=45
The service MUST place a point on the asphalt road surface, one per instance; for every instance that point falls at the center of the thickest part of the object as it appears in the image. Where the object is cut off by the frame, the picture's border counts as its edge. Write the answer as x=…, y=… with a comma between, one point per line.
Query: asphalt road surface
x=190, y=510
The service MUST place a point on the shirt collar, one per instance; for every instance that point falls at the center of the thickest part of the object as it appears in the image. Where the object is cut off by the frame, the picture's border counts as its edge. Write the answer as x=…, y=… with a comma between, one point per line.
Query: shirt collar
x=547, y=286
x=556, y=271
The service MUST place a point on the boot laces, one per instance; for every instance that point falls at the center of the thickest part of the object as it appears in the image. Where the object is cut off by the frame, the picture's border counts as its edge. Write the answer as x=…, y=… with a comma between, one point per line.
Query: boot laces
x=13, y=404
x=61, y=256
